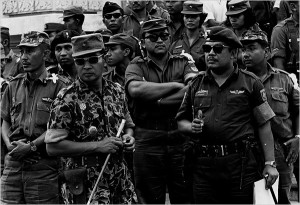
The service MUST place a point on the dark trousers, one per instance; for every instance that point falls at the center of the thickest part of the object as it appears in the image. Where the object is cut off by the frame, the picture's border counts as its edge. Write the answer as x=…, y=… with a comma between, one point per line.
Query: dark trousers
x=216, y=180
x=285, y=174
x=23, y=183
x=158, y=164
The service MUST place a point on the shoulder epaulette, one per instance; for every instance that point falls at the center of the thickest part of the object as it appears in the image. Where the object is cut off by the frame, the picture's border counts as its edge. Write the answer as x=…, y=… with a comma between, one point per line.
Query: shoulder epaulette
x=63, y=79
x=249, y=73
x=281, y=71
x=20, y=75
x=137, y=59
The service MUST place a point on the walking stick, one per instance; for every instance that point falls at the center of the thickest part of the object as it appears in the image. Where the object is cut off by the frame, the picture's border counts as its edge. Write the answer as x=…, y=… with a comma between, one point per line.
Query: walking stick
x=105, y=163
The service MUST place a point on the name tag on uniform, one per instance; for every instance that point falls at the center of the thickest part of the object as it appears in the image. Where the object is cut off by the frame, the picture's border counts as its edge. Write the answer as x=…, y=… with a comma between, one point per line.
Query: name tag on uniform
x=49, y=100
x=237, y=92
x=202, y=93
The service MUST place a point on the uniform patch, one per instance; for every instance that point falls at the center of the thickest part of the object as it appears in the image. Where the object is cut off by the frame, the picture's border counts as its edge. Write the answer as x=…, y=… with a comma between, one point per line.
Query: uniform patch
x=194, y=68
x=236, y=92
x=82, y=106
x=47, y=100
x=202, y=93
x=263, y=94
x=53, y=77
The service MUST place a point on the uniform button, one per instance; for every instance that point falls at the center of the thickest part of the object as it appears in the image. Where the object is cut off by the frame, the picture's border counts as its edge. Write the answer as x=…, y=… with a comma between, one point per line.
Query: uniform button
x=217, y=120
x=26, y=128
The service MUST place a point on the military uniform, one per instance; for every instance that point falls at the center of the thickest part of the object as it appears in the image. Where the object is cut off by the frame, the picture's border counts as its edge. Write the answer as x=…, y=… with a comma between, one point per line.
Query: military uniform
x=13, y=66
x=26, y=106
x=89, y=108
x=285, y=44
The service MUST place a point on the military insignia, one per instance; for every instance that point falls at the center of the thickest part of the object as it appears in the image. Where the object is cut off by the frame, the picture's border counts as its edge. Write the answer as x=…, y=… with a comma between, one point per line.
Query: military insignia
x=49, y=100
x=202, y=93
x=236, y=92
x=194, y=68
x=53, y=77
x=294, y=79
x=82, y=106
x=180, y=46
x=188, y=56
x=263, y=94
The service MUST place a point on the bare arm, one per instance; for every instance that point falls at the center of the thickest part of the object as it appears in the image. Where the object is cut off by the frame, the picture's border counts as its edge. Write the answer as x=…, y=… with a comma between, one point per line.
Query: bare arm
x=5, y=133
x=71, y=148
x=152, y=91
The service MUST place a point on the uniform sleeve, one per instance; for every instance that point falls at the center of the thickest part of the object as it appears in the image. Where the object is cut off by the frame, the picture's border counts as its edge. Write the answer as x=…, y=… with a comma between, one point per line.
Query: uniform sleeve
x=294, y=96
x=190, y=71
x=278, y=42
x=133, y=72
x=185, y=111
x=6, y=104
x=60, y=121
x=261, y=109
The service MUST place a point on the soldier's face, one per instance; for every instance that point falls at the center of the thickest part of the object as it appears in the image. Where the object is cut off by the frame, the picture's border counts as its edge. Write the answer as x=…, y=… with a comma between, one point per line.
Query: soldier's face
x=90, y=67
x=115, y=55
x=71, y=23
x=174, y=7
x=191, y=21
x=137, y=5
x=254, y=55
x=63, y=54
x=33, y=58
x=113, y=20
x=157, y=42
x=218, y=59
x=237, y=21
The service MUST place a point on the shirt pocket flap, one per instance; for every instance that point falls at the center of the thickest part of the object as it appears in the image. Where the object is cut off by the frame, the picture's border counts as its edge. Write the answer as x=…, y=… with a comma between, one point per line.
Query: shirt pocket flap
x=279, y=96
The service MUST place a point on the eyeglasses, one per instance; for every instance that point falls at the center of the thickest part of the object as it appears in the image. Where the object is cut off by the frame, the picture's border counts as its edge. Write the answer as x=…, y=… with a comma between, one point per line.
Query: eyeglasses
x=91, y=60
x=154, y=38
x=115, y=15
x=218, y=48
x=191, y=16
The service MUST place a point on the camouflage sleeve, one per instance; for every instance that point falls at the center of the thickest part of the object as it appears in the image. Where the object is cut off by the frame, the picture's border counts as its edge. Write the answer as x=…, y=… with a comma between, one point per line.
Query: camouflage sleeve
x=261, y=109
x=278, y=42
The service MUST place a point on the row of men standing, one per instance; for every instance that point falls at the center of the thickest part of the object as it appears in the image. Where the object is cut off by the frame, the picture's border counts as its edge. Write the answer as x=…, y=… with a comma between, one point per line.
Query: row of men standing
x=155, y=86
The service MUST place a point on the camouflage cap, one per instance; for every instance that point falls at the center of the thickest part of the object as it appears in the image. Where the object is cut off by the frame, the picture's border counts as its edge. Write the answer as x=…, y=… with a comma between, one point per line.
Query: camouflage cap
x=110, y=7
x=252, y=35
x=237, y=7
x=222, y=34
x=153, y=25
x=63, y=37
x=121, y=38
x=72, y=11
x=34, y=39
x=4, y=30
x=51, y=27
x=86, y=44
x=192, y=7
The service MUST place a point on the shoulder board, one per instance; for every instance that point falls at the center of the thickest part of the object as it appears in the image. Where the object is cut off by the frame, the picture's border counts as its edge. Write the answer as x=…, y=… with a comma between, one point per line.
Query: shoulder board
x=63, y=79
x=137, y=59
x=281, y=71
x=248, y=73
x=19, y=76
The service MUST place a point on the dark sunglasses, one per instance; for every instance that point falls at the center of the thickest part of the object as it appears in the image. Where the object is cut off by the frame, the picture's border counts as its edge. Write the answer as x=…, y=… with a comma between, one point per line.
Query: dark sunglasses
x=191, y=16
x=154, y=38
x=218, y=48
x=91, y=60
x=115, y=15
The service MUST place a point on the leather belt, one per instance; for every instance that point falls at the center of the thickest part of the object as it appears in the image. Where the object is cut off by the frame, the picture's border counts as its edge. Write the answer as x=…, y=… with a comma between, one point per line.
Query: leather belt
x=219, y=150
x=164, y=124
x=89, y=161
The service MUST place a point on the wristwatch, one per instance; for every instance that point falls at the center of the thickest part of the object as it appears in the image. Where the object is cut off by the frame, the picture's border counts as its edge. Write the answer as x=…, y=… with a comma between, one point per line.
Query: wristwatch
x=33, y=147
x=271, y=163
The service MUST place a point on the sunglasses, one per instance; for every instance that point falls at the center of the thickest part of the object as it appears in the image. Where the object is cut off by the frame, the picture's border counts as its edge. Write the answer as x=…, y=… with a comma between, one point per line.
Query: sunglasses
x=154, y=38
x=91, y=60
x=115, y=15
x=191, y=16
x=218, y=48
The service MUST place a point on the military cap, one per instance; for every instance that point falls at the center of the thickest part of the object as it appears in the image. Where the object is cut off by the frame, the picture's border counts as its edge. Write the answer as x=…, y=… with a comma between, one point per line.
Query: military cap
x=237, y=7
x=63, y=37
x=219, y=33
x=72, y=11
x=121, y=38
x=51, y=27
x=4, y=30
x=104, y=32
x=34, y=39
x=110, y=7
x=153, y=25
x=252, y=35
x=192, y=7
x=86, y=44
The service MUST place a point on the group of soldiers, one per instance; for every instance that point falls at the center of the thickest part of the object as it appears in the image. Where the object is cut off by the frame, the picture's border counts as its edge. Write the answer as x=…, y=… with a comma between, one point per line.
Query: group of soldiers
x=197, y=126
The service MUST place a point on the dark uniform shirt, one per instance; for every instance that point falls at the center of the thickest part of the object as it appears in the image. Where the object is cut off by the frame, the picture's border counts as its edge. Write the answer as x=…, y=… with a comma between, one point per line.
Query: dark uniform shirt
x=178, y=69
x=69, y=80
x=285, y=43
x=75, y=110
x=175, y=33
x=231, y=111
x=113, y=76
x=195, y=49
x=283, y=98
x=26, y=104
x=13, y=66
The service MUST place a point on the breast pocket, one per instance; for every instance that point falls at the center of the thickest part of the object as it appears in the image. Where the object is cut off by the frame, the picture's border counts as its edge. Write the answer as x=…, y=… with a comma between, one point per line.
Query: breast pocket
x=42, y=113
x=237, y=100
x=202, y=103
x=280, y=102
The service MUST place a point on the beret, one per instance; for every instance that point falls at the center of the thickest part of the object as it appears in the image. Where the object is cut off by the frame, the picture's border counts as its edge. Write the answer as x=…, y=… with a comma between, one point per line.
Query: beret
x=219, y=33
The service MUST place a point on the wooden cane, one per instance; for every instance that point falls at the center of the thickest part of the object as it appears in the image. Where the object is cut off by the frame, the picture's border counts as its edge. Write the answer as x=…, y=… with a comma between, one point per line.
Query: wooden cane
x=105, y=163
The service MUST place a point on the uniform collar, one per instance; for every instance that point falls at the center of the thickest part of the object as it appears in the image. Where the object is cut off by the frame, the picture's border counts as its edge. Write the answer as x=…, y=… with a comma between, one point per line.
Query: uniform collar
x=83, y=87
x=291, y=19
x=42, y=78
x=208, y=76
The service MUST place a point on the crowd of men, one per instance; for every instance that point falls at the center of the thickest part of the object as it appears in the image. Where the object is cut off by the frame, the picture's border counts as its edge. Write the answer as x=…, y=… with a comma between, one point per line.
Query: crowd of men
x=155, y=103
